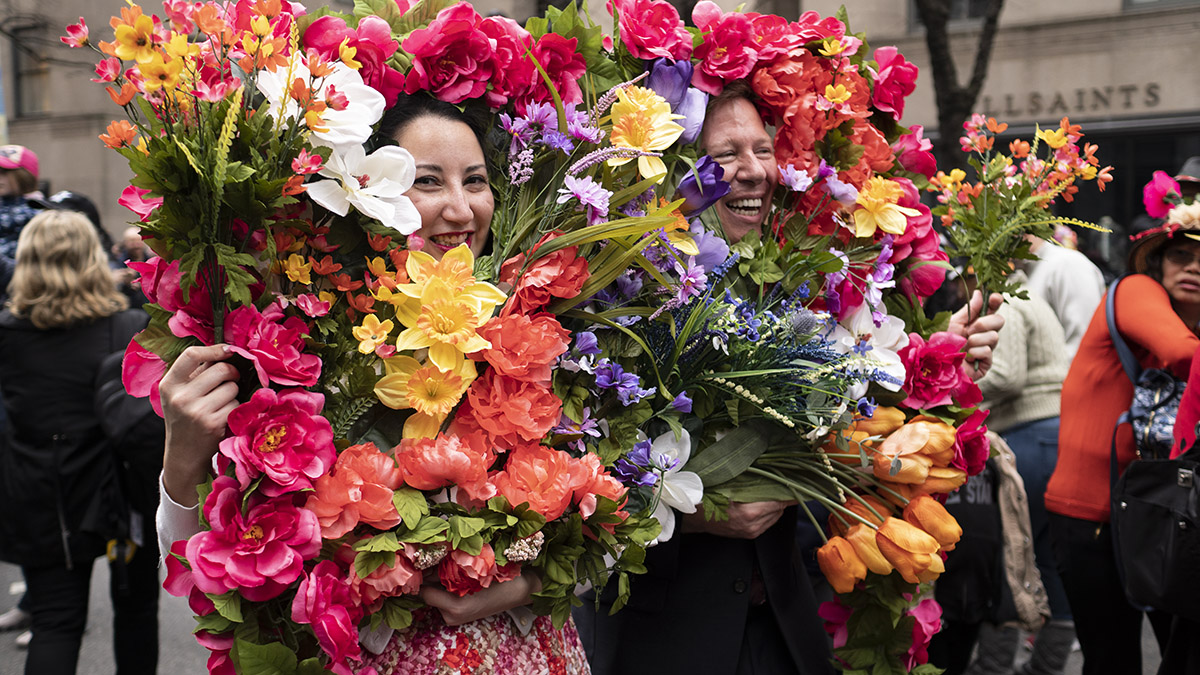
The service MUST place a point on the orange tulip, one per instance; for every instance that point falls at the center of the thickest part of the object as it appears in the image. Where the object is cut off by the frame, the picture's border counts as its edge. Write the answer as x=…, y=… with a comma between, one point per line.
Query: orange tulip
x=925, y=436
x=883, y=422
x=906, y=493
x=839, y=525
x=928, y=514
x=841, y=565
x=911, y=469
x=941, y=480
x=912, y=551
x=862, y=538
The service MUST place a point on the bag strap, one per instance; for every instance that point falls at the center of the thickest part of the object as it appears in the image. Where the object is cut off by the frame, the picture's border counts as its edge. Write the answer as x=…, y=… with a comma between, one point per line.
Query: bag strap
x=1132, y=368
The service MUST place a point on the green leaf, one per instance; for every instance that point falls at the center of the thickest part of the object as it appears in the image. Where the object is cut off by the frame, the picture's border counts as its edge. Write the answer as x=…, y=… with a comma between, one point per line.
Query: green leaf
x=731, y=455
x=366, y=563
x=410, y=504
x=269, y=659
x=385, y=542
x=228, y=605
x=429, y=530
x=311, y=666
x=396, y=615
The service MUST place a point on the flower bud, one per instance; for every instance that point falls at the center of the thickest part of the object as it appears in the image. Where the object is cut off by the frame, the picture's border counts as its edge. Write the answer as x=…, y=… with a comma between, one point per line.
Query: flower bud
x=928, y=514
x=883, y=422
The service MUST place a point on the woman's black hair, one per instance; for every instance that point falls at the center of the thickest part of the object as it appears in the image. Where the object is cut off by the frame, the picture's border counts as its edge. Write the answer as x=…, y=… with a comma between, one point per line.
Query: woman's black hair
x=409, y=107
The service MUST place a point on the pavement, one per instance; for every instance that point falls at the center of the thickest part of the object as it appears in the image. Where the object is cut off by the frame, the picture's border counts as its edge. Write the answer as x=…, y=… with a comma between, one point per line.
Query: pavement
x=180, y=655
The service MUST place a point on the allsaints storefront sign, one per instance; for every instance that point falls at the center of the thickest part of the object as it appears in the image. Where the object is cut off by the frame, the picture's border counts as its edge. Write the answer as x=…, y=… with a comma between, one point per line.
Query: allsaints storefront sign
x=1102, y=100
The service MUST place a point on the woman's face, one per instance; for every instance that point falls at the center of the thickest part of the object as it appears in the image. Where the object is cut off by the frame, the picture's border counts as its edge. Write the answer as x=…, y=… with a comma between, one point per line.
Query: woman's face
x=1181, y=272
x=451, y=189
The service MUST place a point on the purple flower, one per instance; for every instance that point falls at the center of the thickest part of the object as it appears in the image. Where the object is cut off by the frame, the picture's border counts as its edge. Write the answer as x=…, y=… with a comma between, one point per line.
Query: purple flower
x=693, y=109
x=630, y=283
x=682, y=403
x=702, y=187
x=541, y=116
x=556, y=140
x=585, y=427
x=866, y=407
x=692, y=280
x=610, y=375
x=845, y=193
x=670, y=79
x=797, y=181
x=586, y=343
x=519, y=130
x=713, y=248
x=633, y=467
x=591, y=196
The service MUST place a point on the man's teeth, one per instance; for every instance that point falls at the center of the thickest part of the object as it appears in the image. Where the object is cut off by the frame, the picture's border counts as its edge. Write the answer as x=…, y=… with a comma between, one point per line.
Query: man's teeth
x=450, y=239
x=748, y=206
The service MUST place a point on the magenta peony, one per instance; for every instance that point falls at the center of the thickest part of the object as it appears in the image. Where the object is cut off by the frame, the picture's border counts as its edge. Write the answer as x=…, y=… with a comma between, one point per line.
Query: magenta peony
x=897, y=79
x=452, y=58
x=934, y=372
x=565, y=66
x=162, y=284
x=259, y=553
x=927, y=621
x=515, y=73
x=651, y=28
x=971, y=446
x=836, y=616
x=282, y=437
x=914, y=152
x=373, y=46
x=274, y=345
x=141, y=371
x=326, y=601
x=728, y=52
x=1156, y=194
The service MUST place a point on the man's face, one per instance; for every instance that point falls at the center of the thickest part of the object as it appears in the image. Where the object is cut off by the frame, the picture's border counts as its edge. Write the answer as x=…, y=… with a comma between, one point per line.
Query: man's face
x=735, y=137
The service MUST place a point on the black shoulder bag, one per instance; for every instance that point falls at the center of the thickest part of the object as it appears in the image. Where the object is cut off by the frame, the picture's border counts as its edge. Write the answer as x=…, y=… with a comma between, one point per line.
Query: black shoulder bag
x=1156, y=501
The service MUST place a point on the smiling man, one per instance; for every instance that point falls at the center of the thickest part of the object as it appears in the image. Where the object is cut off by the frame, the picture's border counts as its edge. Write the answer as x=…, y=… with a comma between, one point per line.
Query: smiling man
x=735, y=136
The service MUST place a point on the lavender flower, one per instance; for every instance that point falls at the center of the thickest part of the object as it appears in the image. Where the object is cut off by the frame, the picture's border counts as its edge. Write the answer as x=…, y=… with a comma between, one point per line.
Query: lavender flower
x=692, y=281
x=521, y=170
x=586, y=343
x=702, y=187
x=590, y=195
x=845, y=193
x=630, y=283
x=585, y=427
x=713, y=248
x=604, y=154
x=670, y=79
x=682, y=403
x=610, y=375
x=634, y=466
x=797, y=181
x=556, y=140
x=579, y=126
x=693, y=109
x=520, y=132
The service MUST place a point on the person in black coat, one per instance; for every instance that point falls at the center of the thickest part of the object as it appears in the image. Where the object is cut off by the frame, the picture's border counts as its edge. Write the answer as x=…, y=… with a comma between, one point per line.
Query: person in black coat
x=60, y=504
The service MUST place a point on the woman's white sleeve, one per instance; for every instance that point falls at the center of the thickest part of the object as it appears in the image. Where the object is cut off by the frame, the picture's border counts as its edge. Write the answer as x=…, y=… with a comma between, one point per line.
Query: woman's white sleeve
x=174, y=522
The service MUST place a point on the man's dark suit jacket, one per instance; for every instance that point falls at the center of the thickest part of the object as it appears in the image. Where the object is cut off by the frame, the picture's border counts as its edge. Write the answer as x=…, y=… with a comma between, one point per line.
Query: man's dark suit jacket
x=688, y=614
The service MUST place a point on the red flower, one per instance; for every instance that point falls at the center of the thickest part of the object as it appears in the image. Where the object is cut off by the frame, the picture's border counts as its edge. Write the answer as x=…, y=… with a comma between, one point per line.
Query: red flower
x=897, y=79
x=537, y=475
x=463, y=573
x=452, y=58
x=563, y=64
x=509, y=412
x=935, y=374
x=359, y=489
x=447, y=460
x=373, y=45
x=524, y=348
x=971, y=446
x=651, y=28
x=400, y=578
x=560, y=274
x=914, y=152
x=1156, y=194
x=728, y=52
x=515, y=73
x=274, y=346
x=324, y=600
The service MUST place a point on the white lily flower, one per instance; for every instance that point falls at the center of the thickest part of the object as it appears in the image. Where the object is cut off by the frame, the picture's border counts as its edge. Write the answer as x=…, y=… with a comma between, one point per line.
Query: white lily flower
x=857, y=334
x=678, y=489
x=352, y=106
x=374, y=185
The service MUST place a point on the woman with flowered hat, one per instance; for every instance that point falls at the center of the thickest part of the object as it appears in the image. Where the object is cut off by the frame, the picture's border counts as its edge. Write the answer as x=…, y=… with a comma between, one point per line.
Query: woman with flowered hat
x=1157, y=312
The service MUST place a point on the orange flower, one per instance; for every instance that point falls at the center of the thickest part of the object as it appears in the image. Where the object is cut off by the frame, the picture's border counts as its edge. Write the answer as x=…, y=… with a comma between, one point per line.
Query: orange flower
x=508, y=411
x=358, y=490
x=841, y=565
x=909, y=469
x=398, y=578
x=120, y=134
x=208, y=20
x=325, y=266
x=590, y=479
x=922, y=435
x=124, y=96
x=941, y=480
x=913, y=552
x=862, y=538
x=523, y=347
x=883, y=422
x=539, y=476
x=1019, y=149
x=928, y=514
x=447, y=460
x=994, y=127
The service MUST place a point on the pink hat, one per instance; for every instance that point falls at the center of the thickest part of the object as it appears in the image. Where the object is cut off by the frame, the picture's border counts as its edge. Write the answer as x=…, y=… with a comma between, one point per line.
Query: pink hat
x=18, y=157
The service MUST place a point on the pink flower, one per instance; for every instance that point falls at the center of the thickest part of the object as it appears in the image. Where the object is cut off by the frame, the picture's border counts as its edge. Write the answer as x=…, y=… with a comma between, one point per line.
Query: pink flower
x=920, y=227
x=282, y=437
x=220, y=644
x=305, y=163
x=812, y=27
x=77, y=35
x=590, y=480
x=312, y=305
x=728, y=52
x=107, y=71
x=452, y=58
x=180, y=584
x=971, y=446
x=651, y=28
x=927, y=621
x=162, y=283
x=358, y=490
x=180, y=12
x=935, y=374
x=141, y=371
x=274, y=346
x=914, y=152
x=772, y=35
x=447, y=460
x=259, y=554
x=897, y=79
x=133, y=198
x=539, y=476
x=373, y=45
x=515, y=73
x=1157, y=194
x=400, y=578
x=836, y=616
x=463, y=573
x=325, y=600
x=563, y=64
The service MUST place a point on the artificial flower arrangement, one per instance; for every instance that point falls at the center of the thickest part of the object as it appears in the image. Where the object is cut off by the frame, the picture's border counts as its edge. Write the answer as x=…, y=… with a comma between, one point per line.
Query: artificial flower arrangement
x=282, y=230
x=1162, y=195
x=988, y=220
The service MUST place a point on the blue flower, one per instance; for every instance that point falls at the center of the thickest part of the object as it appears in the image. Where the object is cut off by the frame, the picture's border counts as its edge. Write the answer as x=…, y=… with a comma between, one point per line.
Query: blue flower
x=611, y=375
x=866, y=406
x=701, y=188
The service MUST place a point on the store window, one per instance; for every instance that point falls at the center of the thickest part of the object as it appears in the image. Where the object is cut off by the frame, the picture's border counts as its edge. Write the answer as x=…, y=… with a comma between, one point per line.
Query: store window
x=31, y=72
x=961, y=11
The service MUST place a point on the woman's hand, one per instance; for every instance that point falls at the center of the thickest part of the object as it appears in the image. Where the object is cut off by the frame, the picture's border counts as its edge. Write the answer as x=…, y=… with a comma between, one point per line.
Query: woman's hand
x=498, y=597
x=746, y=520
x=198, y=393
x=982, y=332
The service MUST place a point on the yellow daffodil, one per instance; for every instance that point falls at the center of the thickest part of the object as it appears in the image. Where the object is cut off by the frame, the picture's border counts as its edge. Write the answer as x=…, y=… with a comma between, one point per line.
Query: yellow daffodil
x=632, y=99
x=445, y=322
x=456, y=271
x=877, y=208
x=431, y=392
x=135, y=41
x=160, y=74
x=1055, y=139
x=648, y=132
x=297, y=269
x=372, y=333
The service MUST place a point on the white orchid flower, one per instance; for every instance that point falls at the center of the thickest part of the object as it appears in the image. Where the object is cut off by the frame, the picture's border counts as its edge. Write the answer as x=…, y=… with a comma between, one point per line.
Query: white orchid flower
x=374, y=185
x=351, y=109
x=678, y=490
x=858, y=334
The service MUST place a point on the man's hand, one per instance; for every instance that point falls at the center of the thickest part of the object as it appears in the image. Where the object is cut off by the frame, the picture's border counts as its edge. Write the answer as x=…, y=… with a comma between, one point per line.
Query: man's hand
x=746, y=520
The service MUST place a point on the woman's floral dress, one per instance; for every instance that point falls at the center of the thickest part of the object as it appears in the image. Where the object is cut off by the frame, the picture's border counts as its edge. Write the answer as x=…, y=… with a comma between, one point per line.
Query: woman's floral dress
x=482, y=647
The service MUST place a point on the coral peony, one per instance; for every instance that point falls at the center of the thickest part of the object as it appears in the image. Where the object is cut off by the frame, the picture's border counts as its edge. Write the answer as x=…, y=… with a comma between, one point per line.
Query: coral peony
x=524, y=347
x=274, y=345
x=258, y=553
x=452, y=57
x=325, y=600
x=558, y=275
x=935, y=372
x=281, y=436
x=358, y=489
x=388, y=581
x=447, y=460
x=728, y=52
x=463, y=573
x=508, y=411
x=590, y=479
x=651, y=28
x=537, y=475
